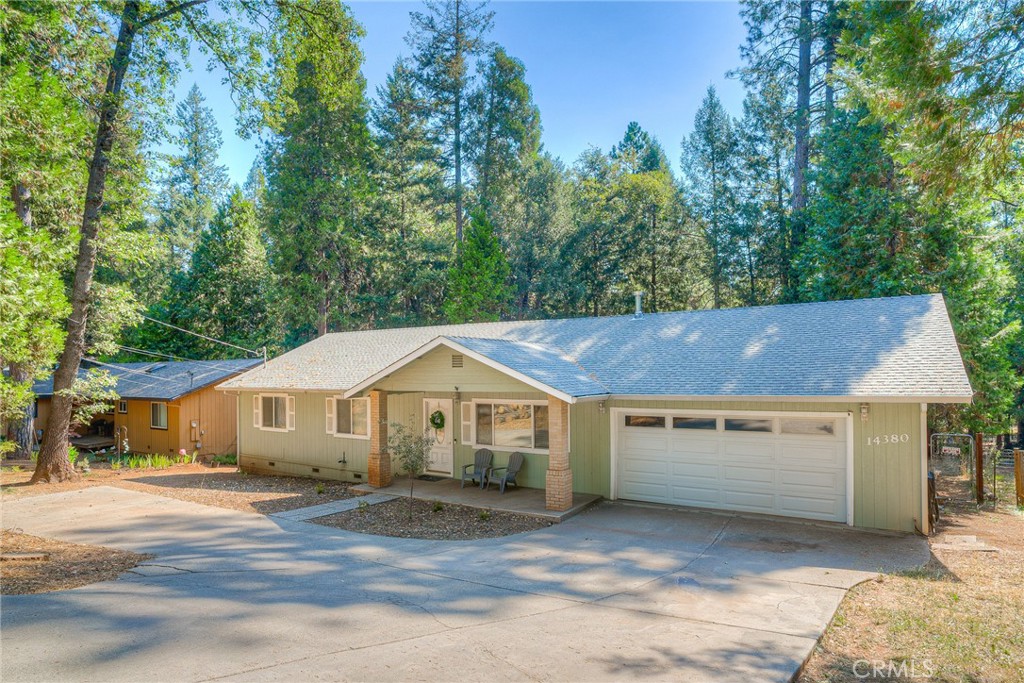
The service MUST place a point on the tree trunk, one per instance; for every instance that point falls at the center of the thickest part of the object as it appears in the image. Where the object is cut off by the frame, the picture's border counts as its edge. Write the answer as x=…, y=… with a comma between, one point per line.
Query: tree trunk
x=803, y=108
x=831, y=30
x=53, y=464
x=22, y=429
x=458, y=127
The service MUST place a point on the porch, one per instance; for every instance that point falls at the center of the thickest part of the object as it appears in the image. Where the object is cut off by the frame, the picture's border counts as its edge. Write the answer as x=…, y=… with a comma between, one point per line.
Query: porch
x=523, y=501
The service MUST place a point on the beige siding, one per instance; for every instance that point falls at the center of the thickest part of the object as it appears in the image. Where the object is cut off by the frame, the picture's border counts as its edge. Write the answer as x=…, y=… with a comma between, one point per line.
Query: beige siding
x=434, y=372
x=304, y=450
x=214, y=413
x=141, y=437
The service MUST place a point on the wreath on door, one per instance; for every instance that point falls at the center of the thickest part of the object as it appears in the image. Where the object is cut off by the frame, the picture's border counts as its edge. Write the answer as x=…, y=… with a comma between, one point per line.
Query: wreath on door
x=436, y=420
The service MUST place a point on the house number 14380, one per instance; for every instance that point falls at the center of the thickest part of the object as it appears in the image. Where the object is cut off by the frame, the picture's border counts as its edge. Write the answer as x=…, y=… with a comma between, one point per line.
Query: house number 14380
x=888, y=438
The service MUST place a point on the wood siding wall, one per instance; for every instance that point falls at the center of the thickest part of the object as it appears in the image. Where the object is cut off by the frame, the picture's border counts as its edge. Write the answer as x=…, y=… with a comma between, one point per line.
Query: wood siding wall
x=141, y=437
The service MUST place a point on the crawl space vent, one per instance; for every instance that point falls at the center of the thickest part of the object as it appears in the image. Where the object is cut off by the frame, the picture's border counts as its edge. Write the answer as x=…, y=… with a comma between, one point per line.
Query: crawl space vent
x=456, y=360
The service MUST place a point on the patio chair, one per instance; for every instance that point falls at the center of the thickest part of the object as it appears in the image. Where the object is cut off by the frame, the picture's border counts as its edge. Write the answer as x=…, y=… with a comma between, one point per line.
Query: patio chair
x=482, y=461
x=508, y=473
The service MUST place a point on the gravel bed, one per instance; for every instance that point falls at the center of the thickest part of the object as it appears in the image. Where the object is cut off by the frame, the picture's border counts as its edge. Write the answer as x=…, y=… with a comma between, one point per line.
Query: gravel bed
x=217, y=486
x=69, y=565
x=433, y=521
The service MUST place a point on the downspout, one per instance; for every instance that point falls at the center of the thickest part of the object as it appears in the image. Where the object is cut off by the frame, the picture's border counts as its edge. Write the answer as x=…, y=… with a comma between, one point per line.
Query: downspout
x=925, y=524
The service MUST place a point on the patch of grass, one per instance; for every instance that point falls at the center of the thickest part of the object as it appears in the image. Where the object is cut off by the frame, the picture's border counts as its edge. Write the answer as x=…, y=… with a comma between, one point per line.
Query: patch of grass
x=12, y=468
x=225, y=459
x=438, y=506
x=484, y=515
x=319, y=489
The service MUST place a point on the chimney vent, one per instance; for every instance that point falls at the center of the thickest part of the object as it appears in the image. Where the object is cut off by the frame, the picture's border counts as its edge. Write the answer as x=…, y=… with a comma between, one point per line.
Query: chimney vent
x=639, y=312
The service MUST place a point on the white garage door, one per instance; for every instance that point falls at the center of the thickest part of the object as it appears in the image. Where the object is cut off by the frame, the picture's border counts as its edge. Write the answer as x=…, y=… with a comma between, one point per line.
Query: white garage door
x=792, y=465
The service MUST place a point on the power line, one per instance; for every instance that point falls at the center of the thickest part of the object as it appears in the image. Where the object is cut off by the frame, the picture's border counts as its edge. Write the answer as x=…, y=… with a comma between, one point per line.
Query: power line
x=206, y=363
x=203, y=336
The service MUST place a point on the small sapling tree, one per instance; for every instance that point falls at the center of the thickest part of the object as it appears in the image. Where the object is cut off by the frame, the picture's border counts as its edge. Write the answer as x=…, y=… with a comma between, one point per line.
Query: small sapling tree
x=411, y=451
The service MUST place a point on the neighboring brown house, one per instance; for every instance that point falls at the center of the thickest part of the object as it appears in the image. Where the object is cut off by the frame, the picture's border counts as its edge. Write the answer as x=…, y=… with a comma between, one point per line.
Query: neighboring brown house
x=164, y=407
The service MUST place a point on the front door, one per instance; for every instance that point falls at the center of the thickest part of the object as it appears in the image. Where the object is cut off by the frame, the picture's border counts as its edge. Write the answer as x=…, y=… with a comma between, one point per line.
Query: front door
x=442, y=453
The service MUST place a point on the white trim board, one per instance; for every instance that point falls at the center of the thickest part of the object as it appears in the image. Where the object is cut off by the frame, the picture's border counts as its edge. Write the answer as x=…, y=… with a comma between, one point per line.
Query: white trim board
x=455, y=346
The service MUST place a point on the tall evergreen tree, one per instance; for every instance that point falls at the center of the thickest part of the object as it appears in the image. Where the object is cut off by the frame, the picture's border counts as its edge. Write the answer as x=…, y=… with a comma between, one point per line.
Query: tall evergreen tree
x=445, y=39
x=874, y=233
x=194, y=181
x=413, y=264
x=317, y=176
x=506, y=127
x=478, y=288
x=227, y=292
x=710, y=159
x=640, y=152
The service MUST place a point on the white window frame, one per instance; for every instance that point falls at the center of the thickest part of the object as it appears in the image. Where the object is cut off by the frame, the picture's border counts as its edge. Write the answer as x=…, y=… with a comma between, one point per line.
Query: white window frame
x=122, y=407
x=166, y=415
x=331, y=405
x=289, y=420
x=506, y=449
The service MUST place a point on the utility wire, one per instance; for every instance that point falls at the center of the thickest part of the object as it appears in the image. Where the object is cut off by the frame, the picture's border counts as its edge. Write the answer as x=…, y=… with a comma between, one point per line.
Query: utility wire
x=206, y=363
x=203, y=336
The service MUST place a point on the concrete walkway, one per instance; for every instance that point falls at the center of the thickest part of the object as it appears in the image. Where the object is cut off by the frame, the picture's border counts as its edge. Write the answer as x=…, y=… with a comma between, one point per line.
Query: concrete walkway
x=616, y=592
x=334, y=507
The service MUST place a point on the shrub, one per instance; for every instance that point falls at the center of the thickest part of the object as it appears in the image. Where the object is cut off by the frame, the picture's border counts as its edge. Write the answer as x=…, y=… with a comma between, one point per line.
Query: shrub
x=411, y=450
x=319, y=489
x=438, y=506
x=485, y=515
x=72, y=455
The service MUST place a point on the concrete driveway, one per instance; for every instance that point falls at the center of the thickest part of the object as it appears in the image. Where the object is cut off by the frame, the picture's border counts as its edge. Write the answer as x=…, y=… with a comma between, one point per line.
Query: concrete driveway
x=618, y=592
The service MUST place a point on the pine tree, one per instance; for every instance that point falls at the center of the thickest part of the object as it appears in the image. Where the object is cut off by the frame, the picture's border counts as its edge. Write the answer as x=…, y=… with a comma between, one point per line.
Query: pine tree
x=413, y=264
x=445, y=39
x=478, y=288
x=874, y=233
x=227, y=293
x=194, y=181
x=710, y=167
x=506, y=128
x=317, y=178
x=640, y=152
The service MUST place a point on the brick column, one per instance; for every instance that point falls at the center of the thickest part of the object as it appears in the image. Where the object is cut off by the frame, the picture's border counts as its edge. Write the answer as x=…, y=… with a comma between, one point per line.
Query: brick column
x=558, y=483
x=379, y=462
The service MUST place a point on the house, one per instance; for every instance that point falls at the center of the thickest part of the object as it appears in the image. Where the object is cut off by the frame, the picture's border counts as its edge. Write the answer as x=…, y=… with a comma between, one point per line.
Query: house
x=163, y=407
x=815, y=411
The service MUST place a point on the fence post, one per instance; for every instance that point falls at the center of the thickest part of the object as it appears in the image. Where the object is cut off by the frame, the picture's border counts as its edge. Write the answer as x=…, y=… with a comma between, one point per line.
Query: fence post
x=1018, y=474
x=979, y=468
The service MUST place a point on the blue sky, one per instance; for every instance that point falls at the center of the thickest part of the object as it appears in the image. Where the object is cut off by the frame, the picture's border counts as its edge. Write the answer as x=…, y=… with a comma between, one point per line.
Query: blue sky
x=593, y=67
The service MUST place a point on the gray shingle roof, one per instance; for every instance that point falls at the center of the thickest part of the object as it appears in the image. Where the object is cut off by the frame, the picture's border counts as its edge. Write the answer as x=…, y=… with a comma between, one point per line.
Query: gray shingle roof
x=900, y=348
x=162, y=380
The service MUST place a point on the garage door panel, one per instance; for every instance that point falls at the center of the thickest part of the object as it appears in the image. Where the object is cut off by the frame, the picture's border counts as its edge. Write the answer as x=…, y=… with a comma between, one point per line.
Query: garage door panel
x=748, y=475
x=749, y=500
x=817, y=508
x=695, y=495
x=826, y=455
x=798, y=475
x=639, y=443
x=692, y=448
x=696, y=470
x=827, y=481
x=648, y=465
x=646, y=490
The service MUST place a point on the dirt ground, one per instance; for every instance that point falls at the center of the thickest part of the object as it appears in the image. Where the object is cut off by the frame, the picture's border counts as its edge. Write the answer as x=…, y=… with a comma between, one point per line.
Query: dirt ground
x=218, y=486
x=66, y=566
x=432, y=521
x=958, y=618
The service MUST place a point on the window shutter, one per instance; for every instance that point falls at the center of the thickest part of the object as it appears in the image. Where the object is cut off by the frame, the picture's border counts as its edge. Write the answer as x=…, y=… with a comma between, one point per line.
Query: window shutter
x=291, y=413
x=331, y=405
x=256, y=418
x=467, y=423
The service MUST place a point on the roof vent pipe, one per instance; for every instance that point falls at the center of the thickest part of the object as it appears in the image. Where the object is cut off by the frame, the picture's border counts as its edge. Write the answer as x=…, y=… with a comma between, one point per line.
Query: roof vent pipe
x=639, y=312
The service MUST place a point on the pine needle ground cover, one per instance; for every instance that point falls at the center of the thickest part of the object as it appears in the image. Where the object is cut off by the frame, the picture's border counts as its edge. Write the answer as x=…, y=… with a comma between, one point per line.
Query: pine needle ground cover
x=958, y=618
